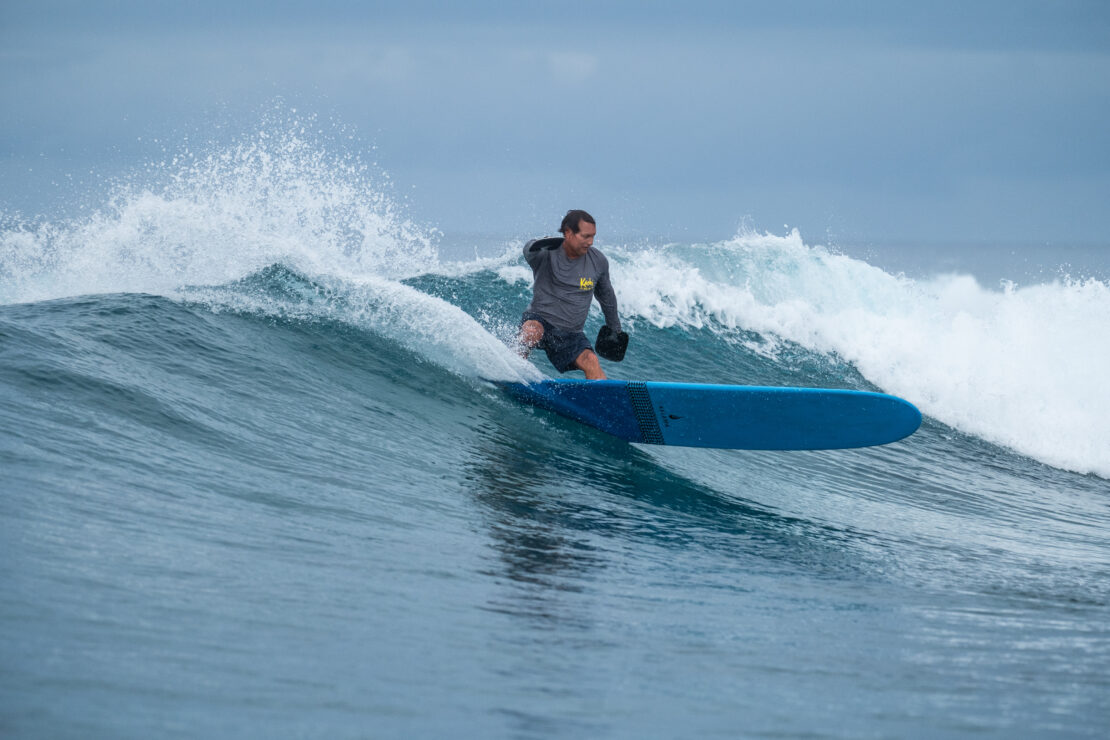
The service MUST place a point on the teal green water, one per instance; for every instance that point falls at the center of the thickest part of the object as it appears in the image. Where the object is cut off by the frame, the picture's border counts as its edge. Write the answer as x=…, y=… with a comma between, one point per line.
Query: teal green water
x=286, y=506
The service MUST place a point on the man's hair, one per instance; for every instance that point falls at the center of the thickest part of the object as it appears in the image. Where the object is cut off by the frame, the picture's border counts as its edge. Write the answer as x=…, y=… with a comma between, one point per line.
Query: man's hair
x=573, y=221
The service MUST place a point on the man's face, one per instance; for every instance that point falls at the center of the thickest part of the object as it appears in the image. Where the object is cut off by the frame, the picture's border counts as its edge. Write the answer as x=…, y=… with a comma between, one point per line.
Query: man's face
x=578, y=244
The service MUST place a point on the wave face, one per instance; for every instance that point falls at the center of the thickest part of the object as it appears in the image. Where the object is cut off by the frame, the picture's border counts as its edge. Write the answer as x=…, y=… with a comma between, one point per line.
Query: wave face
x=252, y=477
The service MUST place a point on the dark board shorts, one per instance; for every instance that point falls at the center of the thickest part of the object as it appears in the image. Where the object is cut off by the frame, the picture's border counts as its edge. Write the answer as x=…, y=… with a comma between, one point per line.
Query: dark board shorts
x=562, y=347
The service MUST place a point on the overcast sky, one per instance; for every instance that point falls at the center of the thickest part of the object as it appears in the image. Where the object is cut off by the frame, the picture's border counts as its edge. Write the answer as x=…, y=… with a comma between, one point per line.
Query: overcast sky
x=854, y=122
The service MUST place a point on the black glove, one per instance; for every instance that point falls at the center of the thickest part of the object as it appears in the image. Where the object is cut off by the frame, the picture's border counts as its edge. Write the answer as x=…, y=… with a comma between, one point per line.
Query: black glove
x=611, y=346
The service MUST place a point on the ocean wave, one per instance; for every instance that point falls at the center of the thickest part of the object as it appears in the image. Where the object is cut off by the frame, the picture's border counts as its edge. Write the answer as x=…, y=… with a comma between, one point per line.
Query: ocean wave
x=1021, y=366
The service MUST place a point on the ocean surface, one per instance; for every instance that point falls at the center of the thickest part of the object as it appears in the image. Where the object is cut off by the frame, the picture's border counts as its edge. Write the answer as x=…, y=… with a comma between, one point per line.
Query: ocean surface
x=253, y=484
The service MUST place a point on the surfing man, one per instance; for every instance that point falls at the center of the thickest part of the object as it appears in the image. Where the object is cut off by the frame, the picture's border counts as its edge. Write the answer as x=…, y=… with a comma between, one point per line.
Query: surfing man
x=568, y=274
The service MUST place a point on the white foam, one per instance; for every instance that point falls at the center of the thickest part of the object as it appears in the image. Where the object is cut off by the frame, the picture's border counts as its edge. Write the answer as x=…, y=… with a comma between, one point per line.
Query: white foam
x=1023, y=367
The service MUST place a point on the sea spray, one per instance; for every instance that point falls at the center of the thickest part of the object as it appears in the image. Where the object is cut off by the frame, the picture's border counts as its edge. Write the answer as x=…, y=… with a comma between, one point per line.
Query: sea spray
x=212, y=217
x=199, y=227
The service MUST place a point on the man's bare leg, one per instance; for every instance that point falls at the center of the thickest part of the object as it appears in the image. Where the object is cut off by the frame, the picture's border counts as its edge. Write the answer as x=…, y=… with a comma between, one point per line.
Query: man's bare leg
x=531, y=334
x=588, y=363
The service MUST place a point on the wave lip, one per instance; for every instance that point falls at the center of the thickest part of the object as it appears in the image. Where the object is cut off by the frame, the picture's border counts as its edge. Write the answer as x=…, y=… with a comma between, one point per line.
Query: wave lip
x=431, y=328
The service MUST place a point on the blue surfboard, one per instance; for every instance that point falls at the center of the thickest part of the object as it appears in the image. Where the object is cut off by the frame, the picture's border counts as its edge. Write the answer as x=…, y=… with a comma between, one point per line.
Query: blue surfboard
x=738, y=417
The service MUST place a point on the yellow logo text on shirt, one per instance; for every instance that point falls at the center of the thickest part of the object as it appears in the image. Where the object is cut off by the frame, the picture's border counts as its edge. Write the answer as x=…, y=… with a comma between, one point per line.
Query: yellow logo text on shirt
x=585, y=284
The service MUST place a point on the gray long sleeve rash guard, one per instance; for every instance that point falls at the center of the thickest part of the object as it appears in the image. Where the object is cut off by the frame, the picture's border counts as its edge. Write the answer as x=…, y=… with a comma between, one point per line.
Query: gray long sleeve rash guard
x=563, y=288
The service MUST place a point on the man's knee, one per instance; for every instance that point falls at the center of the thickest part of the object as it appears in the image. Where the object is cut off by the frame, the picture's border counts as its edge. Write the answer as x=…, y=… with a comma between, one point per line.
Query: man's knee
x=531, y=332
